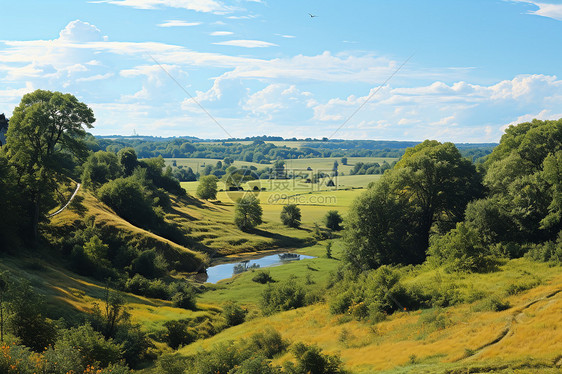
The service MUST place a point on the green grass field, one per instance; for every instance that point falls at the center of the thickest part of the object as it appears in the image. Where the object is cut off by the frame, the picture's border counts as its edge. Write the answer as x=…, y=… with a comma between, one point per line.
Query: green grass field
x=316, y=164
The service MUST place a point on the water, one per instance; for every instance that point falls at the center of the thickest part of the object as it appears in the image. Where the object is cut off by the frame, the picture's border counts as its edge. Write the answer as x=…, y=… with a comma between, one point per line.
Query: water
x=224, y=271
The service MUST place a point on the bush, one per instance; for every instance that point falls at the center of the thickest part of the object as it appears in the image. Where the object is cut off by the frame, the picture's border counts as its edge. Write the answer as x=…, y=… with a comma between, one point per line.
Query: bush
x=282, y=296
x=263, y=277
x=269, y=343
x=149, y=264
x=333, y=220
x=94, y=349
x=311, y=360
x=128, y=198
x=178, y=333
x=171, y=364
x=184, y=297
x=462, y=249
x=234, y=314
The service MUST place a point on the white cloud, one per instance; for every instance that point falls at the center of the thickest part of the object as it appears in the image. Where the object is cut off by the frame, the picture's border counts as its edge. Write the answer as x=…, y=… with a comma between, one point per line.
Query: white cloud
x=543, y=115
x=247, y=43
x=78, y=31
x=286, y=36
x=178, y=23
x=221, y=33
x=206, y=6
x=96, y=77
x=549, y=10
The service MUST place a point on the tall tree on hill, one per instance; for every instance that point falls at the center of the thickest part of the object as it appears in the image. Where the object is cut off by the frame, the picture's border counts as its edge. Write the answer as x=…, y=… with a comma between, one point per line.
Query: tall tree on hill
x=46, y=130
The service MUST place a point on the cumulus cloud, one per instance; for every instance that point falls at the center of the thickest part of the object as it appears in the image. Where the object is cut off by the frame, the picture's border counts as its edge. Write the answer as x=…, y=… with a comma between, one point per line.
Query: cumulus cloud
x=247, y=43
x=78, y=31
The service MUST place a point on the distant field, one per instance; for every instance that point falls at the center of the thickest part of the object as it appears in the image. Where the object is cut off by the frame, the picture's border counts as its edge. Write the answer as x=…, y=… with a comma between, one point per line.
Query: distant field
x=316, y=164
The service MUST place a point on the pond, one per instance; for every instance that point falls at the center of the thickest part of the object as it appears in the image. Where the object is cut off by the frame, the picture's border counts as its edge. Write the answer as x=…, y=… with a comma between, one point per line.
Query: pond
x=224, y=271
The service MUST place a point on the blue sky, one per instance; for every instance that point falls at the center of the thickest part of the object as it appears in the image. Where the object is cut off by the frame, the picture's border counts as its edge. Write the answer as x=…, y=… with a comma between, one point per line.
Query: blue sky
x=267, y=67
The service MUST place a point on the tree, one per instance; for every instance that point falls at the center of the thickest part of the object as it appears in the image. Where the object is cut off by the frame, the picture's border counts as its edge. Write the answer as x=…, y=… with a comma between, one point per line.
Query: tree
x=100, y=168
x=333, y=220
x=291, y=215
x=207, y=188
x=247, y=212
x=344, y=160
x=46, y=129
x=128, y=160
x=428, y=190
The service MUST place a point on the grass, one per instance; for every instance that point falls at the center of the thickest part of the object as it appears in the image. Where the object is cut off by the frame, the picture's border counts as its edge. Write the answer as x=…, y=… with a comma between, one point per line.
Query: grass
x=418, y=341
x=324, y=164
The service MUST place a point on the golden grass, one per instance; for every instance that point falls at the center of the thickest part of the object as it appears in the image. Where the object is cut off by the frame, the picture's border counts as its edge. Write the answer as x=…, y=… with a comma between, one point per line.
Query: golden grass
x=391, y=344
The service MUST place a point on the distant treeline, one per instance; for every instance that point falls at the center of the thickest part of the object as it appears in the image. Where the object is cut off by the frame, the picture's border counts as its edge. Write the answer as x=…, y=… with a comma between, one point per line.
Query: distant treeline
x=261, y=152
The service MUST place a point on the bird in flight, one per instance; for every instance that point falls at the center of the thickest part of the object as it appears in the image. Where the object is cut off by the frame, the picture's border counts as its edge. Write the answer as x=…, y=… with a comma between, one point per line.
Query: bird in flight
x=312, y=15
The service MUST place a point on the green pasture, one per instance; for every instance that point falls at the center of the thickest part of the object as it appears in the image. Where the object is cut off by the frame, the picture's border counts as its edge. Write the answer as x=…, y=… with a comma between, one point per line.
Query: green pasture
x=324, y=164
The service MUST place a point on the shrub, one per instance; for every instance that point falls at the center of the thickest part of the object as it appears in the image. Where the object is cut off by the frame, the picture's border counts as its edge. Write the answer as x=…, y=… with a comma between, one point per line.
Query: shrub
x=333, y=220
x=184, y=297
x=263, y=277
x=93, y=347
x=282, y=296
x=462, y=249
x=234, y=314
x=171, y=364
x=149, y=264
x=178, y=333
x=269, y=343
x=311, y=360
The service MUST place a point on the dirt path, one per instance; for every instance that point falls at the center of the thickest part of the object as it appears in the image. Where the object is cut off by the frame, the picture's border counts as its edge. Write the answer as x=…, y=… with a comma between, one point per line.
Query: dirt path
x=67, y=203
x=514, y=319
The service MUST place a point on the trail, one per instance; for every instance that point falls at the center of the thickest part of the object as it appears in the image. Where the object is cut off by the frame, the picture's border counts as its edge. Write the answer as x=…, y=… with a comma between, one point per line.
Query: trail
x=67, y=203
x=514, y=319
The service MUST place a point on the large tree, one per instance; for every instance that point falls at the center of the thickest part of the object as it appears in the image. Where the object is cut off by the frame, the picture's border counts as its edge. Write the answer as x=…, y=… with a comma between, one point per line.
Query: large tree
x=524, y=180
x=46, y=130
x=426, y=192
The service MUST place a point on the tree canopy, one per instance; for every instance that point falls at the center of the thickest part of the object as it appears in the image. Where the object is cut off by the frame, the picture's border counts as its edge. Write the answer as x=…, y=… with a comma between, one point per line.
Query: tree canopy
x=46, y=133
x=427, y=191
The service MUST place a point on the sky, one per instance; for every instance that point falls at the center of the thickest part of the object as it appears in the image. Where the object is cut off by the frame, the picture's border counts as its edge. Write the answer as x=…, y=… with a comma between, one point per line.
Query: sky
x=451, y=70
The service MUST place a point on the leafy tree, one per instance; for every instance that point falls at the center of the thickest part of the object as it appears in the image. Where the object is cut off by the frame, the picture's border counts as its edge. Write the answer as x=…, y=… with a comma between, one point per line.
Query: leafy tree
x=10, y=203
x=128, y=160
x=344, y=160
x=95, y=249
x=247, y=212
x=333, y=220
x=427, y=190
x=234, y=314
x=46, y=129
x=100, y=168
x=291, y=215
x=524, y=181
x=207, y=188
x=128, y=198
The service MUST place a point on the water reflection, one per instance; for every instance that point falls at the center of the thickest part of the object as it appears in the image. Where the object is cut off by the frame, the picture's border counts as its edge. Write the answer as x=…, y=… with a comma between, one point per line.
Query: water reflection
x=224, y=271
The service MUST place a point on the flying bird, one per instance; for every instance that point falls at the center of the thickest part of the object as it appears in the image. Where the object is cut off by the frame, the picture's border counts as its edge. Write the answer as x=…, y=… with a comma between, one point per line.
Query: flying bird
x=312, y=15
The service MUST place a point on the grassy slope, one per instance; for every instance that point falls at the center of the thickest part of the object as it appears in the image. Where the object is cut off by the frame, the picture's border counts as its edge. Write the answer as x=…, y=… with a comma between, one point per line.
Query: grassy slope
x=104, y=216
x=414, y=341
